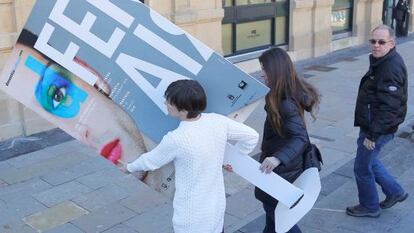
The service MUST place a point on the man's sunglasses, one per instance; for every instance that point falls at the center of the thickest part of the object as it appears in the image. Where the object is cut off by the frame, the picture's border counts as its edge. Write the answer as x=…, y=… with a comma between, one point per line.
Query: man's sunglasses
x=380, y=41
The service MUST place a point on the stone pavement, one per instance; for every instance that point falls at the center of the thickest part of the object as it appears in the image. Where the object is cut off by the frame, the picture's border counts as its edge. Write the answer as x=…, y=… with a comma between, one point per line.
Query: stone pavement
x=339, y=191
x=67, y=188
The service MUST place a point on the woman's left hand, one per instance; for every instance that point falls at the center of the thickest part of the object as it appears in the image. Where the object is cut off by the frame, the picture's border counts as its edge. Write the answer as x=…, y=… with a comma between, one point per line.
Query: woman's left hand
x=228, y=168
x=269, y=164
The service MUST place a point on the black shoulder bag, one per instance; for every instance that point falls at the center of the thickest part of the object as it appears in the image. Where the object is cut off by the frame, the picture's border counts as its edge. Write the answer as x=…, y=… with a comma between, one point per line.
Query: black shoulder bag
x=312, y=157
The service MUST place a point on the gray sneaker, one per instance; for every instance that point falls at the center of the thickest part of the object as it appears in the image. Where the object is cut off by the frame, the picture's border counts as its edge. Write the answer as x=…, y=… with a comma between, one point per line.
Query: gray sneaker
x=360, y=211
x=391, y=201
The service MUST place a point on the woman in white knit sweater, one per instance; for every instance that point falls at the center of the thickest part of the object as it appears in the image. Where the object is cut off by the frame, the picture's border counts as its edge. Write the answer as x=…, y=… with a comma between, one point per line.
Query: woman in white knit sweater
x=197, y=148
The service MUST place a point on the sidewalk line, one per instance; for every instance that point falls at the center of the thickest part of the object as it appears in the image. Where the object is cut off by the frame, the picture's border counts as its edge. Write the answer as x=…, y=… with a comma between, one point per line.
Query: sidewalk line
x=329, y=210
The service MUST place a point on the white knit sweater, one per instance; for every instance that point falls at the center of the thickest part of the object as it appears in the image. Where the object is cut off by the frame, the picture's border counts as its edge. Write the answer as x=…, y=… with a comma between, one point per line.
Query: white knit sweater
x=197, y=150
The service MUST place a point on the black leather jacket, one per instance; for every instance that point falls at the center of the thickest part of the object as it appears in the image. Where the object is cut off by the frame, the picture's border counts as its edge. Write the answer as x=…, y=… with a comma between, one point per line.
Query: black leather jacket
x=382, y=97
x=287, y=149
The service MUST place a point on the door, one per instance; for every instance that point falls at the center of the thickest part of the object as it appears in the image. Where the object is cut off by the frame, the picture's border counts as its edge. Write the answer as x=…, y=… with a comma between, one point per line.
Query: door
x=388, y=5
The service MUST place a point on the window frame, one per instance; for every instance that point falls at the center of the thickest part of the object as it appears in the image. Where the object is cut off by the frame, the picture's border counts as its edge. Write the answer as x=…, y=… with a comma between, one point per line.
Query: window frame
x=236, y=14
x=339, y=7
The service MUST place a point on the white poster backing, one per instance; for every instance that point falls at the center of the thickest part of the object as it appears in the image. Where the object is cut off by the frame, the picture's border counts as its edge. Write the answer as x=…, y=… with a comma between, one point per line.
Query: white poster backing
x=271, y=183
x=310, y=182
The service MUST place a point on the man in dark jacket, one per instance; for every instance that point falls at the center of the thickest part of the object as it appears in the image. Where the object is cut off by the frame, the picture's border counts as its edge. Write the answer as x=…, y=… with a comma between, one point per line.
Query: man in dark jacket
x=380, y=107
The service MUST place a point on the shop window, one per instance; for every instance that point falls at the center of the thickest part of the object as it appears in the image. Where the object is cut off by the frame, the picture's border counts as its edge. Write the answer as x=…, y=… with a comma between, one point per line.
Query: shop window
x=388, y=7
x=227, y=38
x=341, y=18
x=281, y=30
x=250, y=2
x=227, y=3
x=250, y=25
x=253, y=34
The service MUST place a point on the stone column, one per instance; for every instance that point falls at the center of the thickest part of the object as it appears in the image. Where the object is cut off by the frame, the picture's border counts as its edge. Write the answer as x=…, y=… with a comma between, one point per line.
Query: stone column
x=411, y=17
x=164, y=7
x=7, y=29
x=322, y=30
x=10, y=111
x=22, y=10
x=15, y=119
x=310, y=30
x=11, y=122
x=200, y=18
x=300, y=30
x=375, y=14
x=367, y=16
x=360, y=23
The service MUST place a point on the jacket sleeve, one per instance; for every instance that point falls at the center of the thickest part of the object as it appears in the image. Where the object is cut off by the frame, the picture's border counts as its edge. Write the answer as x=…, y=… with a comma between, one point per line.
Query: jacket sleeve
x=390, y=94
x=295, y=132
x=156, y=158
x=245, y=136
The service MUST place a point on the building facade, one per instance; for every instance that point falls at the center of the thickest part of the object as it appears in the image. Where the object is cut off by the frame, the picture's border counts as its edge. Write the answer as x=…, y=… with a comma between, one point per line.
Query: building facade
x=238, y=29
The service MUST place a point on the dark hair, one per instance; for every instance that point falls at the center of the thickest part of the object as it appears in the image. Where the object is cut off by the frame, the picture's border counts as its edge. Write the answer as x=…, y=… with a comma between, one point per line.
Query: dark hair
x=27, y=38
x=284, y=83
x=187, y=95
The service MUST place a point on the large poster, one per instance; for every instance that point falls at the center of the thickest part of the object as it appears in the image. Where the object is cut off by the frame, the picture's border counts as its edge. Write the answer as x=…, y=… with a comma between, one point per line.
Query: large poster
x=136, y=53
x=98, y=70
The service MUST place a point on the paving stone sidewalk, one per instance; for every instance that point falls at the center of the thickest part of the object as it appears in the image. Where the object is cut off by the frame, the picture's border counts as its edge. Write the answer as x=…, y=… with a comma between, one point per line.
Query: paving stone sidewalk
x=67, y=188
x=339, y=191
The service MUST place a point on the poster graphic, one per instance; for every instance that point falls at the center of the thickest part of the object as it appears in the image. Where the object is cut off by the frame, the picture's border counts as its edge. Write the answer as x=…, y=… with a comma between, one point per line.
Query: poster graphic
x=98, y=70
x=136, y=53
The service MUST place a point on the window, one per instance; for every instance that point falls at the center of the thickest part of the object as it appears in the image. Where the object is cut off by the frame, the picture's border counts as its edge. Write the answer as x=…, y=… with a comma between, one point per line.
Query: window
x=227, y=3
x=250, y=25
x=253, y=34
x=250, y=2
x=227, y=38
x=341, y=18
x=388, y=6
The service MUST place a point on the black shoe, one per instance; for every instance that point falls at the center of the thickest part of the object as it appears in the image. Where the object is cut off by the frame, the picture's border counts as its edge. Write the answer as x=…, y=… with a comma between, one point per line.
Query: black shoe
x=360, y=211
x=391, y=201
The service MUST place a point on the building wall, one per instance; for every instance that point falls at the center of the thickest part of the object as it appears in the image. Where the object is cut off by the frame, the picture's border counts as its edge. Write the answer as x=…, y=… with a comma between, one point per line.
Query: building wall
x=310, y=35
x=310, y=26
x=15, y=119
x=200, y=18
x=310, y=29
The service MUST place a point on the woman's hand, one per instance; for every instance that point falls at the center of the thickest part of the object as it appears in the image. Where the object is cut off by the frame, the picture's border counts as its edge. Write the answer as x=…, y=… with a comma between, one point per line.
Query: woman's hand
x=370, y=145
x=269, y=164
x=228, y=168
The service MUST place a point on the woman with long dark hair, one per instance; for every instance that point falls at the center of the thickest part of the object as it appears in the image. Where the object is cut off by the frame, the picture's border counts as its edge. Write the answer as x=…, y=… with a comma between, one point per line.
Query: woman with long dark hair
x=284, y=136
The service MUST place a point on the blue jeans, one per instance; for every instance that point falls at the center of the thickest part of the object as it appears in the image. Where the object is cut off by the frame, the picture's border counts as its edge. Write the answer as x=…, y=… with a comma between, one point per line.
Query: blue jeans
x=369, y=170
x=270, y=220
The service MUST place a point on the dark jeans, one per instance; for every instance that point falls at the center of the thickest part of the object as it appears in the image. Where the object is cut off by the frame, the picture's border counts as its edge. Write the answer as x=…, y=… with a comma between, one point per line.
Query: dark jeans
x=369, y=170
x=270, y=220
